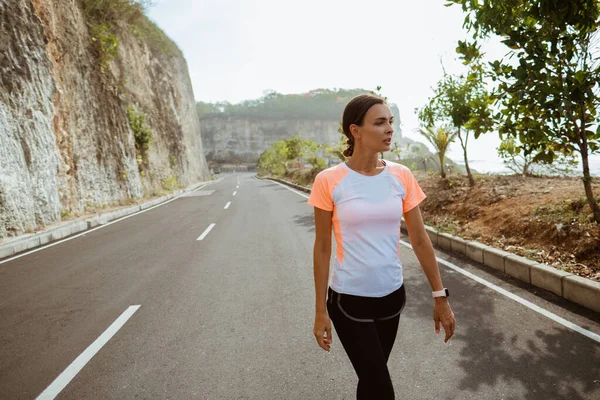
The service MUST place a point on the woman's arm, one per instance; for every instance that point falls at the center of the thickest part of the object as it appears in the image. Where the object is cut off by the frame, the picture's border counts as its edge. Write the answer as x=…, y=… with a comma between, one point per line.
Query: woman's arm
x=423, y=249
x=321, y=257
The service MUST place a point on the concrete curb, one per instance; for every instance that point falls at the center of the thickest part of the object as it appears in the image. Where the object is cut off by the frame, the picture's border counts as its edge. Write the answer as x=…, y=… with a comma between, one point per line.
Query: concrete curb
x=301, y=188
x=63, y=230
x=577, y=289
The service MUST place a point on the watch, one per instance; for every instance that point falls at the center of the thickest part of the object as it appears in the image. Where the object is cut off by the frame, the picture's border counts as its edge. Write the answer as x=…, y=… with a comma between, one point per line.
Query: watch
x=441, y=293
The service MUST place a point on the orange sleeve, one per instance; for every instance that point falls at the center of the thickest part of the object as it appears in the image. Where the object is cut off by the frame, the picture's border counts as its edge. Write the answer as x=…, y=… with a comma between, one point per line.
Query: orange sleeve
x=320, y=195
x=414, y=193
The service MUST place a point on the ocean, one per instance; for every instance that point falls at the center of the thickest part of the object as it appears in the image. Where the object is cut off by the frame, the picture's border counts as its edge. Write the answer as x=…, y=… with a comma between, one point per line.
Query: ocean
x=496, y=166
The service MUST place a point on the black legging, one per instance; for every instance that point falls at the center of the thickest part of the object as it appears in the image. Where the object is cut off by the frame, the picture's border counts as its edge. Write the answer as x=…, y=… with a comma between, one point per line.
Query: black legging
x=367, y=328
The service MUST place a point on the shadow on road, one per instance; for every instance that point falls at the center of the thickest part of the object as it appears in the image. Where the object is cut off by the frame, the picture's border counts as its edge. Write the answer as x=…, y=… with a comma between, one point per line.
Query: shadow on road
x=305, y=220
x=553, y=364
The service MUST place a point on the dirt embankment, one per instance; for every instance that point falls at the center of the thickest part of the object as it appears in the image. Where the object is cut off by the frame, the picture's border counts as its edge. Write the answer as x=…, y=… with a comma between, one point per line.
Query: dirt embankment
x=544, y=219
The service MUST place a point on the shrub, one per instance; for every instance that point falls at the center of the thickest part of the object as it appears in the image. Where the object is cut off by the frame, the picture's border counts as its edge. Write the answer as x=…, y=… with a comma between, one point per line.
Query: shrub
x=141, y=131
x=107, y=15
x=107, y=42
x=170, y=183
x=114, y=11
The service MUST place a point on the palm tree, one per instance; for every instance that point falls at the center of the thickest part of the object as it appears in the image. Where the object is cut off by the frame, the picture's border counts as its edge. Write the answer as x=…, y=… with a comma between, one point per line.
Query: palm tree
x=440, y=138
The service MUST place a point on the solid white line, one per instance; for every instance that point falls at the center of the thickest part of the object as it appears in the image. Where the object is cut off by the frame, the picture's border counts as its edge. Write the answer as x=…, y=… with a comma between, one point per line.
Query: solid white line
x=290, y=189
x=98, y=227
x=68, y=374
x=227, y=205
x=234, y=193
x=516, y=298
x=498, y=289
x=206, y=232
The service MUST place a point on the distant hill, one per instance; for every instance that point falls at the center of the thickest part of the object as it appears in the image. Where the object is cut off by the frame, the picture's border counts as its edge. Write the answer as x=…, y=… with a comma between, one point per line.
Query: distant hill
x=317, y=104
x=239, y=133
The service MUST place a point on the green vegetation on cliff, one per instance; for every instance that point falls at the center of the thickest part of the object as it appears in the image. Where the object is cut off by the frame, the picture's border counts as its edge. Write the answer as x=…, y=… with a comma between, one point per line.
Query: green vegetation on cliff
x=106, y=17
x=141, y=130
x=318, y=104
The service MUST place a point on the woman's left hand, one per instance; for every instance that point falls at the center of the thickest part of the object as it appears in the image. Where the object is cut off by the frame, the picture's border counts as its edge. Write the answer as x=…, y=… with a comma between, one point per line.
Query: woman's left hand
x=442, y=313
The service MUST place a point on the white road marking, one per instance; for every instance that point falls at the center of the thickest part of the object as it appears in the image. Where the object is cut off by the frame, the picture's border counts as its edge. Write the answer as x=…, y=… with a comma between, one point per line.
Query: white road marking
x=199, y=193
x=206, y=232
x=234, y=193
x=237, y=187
x=227, y=205
x=98, y=227
x=72, y=370
x=290, y=189
x=498, y=289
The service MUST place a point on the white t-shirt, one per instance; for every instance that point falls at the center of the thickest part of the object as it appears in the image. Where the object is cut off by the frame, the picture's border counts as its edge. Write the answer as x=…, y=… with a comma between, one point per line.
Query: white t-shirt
x=367, y=211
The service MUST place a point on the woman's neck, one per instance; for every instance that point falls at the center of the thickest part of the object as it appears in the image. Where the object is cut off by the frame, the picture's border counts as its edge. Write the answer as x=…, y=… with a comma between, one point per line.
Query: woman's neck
x=365, y=163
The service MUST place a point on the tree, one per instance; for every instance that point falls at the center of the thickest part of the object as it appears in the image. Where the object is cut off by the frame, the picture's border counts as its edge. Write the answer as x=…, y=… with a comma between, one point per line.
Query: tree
x=274, y=160
x=551, y=94
x=397, y=150
x=514, y=157
x=294, y=148
x=267, y=162
x=522, y=161
x=311, y=151
x=462, y=102
x=440, y=138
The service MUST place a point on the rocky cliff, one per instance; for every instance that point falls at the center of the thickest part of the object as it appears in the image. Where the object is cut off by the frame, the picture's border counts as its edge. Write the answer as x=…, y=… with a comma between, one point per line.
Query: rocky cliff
x=90, y=115
x=238, y=139
x=234, y=139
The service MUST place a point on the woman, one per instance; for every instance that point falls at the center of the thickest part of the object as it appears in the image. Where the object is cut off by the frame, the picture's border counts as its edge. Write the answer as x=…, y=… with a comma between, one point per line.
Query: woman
x=363, y=200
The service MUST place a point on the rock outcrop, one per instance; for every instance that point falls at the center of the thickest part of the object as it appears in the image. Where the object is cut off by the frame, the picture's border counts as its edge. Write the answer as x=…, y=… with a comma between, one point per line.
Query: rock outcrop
x=232, y=139
x=66, y=141
x=237, y=139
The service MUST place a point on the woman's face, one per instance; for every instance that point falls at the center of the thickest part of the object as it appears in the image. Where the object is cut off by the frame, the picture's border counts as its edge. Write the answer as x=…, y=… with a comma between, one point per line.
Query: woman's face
x=375, y=134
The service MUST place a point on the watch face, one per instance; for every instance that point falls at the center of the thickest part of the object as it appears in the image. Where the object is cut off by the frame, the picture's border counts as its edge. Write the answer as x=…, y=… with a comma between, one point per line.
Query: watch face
x=447, y=293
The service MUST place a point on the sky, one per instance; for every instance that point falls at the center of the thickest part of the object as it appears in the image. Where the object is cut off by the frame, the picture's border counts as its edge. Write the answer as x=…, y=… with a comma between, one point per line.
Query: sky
x=238, y=49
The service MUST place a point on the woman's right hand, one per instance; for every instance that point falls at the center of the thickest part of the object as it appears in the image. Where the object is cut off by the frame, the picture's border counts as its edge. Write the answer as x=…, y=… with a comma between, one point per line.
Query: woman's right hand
x=322, y=330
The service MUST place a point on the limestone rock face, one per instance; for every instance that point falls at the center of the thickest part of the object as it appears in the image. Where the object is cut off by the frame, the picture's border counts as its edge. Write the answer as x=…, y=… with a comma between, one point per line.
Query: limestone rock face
x=66, y=143
x=232, y=139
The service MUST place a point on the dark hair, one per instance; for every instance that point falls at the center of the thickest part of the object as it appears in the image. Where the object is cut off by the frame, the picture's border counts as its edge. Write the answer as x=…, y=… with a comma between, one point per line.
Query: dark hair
x=354, y=113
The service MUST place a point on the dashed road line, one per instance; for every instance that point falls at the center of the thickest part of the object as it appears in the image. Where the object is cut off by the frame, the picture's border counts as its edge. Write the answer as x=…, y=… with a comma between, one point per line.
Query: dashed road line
x=206, y=232
x=98, y=227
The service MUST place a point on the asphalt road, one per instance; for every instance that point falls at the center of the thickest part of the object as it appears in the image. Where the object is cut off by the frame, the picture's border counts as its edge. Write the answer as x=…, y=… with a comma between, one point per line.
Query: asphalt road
x=230, y=316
